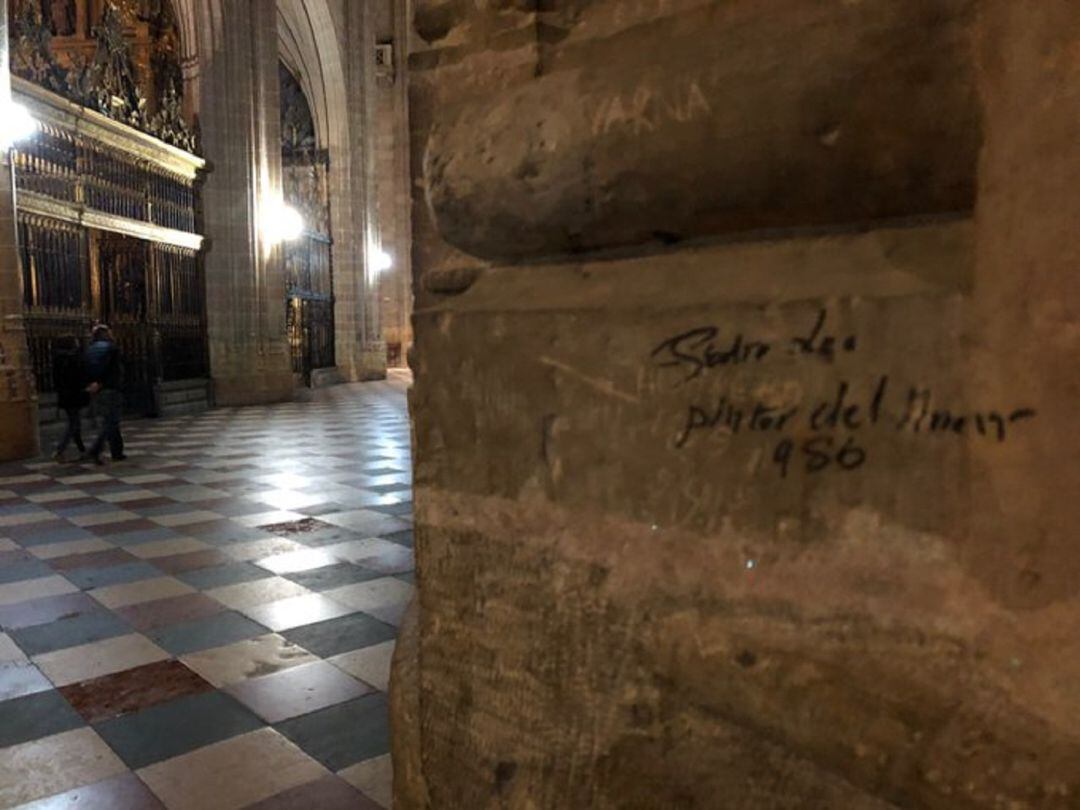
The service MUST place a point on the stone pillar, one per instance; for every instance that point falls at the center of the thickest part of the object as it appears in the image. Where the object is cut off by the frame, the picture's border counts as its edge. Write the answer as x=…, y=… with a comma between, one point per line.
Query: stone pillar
x=744, y=465
x=361, y=352
x=249, y=353
x=1027, y=311
x=392, y=164
x=18, y=397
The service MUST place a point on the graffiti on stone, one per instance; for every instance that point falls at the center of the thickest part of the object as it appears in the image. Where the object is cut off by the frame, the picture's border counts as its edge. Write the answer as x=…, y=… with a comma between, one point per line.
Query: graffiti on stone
x=834, y=431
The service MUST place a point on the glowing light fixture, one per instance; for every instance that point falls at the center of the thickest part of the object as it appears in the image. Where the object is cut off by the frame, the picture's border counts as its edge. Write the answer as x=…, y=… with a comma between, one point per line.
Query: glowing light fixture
x=282, y=223
x=16, y=124
x=381, y=261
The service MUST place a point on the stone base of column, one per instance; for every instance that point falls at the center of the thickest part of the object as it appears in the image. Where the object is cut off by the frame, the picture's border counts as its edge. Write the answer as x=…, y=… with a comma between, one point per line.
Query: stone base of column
x=364, y=363
x=19, y=430
x=253, y=389
x=325, y=377
x=373, y=362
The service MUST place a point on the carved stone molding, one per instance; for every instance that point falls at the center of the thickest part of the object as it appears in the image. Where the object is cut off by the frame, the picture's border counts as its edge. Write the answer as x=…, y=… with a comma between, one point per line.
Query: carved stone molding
x=34, y=203
x=111, y=81
x=52, y=108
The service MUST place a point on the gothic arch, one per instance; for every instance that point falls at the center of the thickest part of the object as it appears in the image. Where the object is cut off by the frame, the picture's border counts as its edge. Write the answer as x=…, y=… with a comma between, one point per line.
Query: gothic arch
x=200, y=38
x=309, y=45
x=308, y=42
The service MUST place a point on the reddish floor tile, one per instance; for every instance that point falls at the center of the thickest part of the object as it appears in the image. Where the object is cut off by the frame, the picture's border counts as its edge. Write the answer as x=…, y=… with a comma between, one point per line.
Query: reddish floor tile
x=328, y=793
x=131, y=691
x=45, y=610
x=124, y=792
x=95, y=559
x=193, y=561
x=149, y=616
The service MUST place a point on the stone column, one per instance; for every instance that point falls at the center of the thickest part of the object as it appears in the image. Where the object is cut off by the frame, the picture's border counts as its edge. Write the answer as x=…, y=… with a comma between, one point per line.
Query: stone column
x=391, y=120
x=347, y=211
x=360, y=347
x=746, y=347
x=1027, y=310
x=18, y=397
x=249, y=353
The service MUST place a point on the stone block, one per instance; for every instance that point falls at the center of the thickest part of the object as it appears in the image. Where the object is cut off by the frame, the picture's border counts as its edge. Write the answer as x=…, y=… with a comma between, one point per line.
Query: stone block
x=666, y=121
x=772, y=518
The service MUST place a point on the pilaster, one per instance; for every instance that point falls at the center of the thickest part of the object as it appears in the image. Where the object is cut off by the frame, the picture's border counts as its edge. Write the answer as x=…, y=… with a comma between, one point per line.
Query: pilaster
x=18, y=398
x=249, y=354
x=360, y=346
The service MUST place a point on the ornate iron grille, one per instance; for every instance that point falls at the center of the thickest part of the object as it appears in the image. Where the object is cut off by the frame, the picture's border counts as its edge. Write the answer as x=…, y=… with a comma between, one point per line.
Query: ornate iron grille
x=150, y=294
x=66, y=166
x=320, y=316
x=48, y=164
x=310, y=326
x=56, y=284
x=309, y=278
x=179, y=308
x=108, y=233
x=172, y=202
x=309, y=304
x=114, y=185
x=125, y=304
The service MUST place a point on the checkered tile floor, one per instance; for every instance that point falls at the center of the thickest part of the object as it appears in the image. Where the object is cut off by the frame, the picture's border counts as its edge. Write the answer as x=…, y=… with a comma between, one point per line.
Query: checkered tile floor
x=209, y=624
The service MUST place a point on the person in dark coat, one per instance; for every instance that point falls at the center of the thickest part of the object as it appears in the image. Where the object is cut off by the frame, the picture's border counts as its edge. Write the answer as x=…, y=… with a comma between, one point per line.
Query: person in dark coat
x=71, y=395
x=105, y=373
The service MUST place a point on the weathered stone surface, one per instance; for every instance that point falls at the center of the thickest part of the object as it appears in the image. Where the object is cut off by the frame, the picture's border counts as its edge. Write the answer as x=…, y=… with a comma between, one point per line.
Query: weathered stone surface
x=621, y=123
x=762, y=524
x=405, y=699
x=1027, y=303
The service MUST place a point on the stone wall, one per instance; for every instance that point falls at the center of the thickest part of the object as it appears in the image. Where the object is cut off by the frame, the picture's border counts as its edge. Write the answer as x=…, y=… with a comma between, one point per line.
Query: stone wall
x=745, y=360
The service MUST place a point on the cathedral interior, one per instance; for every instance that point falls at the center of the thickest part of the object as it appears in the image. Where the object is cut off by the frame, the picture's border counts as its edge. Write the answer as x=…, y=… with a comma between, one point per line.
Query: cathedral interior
x=539, y=404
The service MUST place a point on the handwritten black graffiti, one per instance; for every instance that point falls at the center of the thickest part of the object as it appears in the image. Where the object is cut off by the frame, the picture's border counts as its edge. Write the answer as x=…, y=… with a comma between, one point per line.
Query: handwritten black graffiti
x=700, y=349
x=697, y=350
x=819, y=453
x=830, y=432
x=733, y=419
x=833, y=431
x=920, y=415
x=822, y=344
x=841, y=412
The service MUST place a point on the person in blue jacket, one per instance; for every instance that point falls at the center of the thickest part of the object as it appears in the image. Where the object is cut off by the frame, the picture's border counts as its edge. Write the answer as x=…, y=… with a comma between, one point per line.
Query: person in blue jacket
x=105, y=375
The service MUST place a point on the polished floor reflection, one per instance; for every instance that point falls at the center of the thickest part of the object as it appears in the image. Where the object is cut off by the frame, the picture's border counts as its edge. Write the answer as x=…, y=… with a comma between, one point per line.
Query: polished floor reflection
x=209, y=624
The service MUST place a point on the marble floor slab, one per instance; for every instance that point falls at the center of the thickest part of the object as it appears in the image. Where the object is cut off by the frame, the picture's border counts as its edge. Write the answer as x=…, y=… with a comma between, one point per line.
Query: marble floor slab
x=209, y=624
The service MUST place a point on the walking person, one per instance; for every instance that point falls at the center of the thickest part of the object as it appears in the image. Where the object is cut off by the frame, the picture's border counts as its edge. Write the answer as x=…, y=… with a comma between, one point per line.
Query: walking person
x=105, y=376
x=70, y=380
